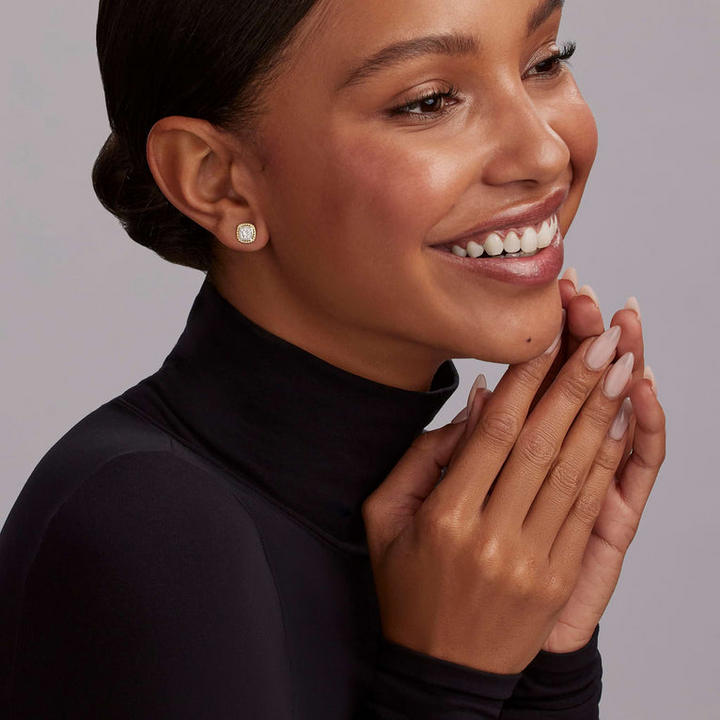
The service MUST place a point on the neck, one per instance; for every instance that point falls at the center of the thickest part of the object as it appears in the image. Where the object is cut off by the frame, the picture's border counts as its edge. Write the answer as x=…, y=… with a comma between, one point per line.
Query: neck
x=376, y=356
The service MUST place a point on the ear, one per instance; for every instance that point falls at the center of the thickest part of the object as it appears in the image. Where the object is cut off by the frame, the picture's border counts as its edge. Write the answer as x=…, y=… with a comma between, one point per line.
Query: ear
x=205, y=174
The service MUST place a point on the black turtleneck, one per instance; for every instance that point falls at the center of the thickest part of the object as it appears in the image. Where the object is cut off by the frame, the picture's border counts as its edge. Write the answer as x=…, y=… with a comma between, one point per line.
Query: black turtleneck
x=194, y=548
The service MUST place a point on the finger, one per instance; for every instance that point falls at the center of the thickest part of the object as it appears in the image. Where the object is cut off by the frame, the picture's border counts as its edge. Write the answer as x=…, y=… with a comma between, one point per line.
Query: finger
x=648, y=452
x=557, y=494
x=467, y=481
x=584, y=318
x=568, y=286
x=571, y=540
x=544, y=432
x=632, y=337
x=476, y=403
x=560, y=358
x=631, y=341
x=412, y=479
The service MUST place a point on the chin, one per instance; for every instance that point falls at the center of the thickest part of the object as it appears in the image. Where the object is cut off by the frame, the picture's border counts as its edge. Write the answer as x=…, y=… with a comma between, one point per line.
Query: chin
x=521, y=340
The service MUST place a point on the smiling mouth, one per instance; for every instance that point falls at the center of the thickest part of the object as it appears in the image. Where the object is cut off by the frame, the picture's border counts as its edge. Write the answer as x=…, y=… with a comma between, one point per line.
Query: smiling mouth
x=509, y=242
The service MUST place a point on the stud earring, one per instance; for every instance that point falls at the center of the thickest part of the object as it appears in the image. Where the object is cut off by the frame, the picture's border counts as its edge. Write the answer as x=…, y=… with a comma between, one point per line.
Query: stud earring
x=246, y=232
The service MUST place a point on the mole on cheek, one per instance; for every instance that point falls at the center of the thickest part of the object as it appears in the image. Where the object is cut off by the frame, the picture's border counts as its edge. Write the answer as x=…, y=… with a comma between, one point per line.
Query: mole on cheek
x=529, y=340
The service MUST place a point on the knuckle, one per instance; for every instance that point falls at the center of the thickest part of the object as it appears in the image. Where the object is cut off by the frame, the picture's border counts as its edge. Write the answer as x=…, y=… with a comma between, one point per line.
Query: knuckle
x=525, y=578
x=535, y=448
x=608, y=456
x=500, y=426
x=564, y=479
x=490, y=557
x=586, y=509
x=576, y=388
x=597, y=416
x=555, y=589
x=440, y=528
x=530, y=374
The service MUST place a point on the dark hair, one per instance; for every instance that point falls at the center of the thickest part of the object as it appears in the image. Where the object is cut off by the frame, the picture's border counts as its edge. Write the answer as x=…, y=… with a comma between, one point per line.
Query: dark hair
x=179, y=57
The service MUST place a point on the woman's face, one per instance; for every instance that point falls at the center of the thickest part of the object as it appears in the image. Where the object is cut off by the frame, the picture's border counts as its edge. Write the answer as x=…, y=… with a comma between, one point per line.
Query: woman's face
x=363, y=179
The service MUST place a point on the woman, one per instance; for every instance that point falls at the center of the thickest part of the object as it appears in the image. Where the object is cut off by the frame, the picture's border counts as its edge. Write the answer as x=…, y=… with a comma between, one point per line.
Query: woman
x=261, y=529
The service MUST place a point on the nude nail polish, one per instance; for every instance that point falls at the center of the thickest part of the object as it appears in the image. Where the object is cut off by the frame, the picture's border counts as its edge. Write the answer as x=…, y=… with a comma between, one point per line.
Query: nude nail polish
x=571, y=275
x=462, y=415
x=587, y=290
x=633, y=304
x=648, y=374
x=618, y=375
x=602, y=350
x=479, y=384
x=558, y=337
x=620, y=424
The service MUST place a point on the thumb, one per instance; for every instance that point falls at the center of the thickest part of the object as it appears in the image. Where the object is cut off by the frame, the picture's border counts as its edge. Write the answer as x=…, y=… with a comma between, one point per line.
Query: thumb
x=391, y=507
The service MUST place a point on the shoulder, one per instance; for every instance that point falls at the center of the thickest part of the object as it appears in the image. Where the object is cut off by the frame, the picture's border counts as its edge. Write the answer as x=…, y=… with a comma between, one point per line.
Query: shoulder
x=113, y=496
x=153, y=496
x=150, y=586
x=149, y=527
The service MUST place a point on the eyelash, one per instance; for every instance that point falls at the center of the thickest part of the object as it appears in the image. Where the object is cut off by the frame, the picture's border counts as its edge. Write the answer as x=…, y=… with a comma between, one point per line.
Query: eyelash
x=558, y=60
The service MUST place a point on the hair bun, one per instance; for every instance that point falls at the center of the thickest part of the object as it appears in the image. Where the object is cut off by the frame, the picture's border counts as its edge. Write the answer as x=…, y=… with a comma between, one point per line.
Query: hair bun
x=130, y=193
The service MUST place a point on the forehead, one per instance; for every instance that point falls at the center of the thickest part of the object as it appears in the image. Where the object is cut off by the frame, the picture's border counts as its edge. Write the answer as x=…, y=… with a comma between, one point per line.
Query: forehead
x=341, y=33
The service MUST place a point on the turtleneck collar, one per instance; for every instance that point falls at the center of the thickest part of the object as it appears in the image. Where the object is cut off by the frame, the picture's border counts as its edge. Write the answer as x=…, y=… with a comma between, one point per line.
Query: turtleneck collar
x=316, y=438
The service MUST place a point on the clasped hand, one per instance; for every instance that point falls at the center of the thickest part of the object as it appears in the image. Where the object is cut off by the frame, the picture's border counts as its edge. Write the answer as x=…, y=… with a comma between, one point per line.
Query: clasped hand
x=519, y=547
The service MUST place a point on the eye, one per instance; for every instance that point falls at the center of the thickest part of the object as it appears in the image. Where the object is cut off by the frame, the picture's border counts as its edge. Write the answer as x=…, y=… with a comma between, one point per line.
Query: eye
x=430, y=104
x=553, y=65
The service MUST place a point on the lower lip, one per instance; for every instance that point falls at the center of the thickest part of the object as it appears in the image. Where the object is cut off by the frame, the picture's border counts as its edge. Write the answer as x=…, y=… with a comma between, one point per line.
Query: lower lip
x=538, y=269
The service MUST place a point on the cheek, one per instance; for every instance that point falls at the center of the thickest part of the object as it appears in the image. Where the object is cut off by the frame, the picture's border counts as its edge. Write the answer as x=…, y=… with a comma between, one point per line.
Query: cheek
x=573, y=121
x=397, y=187
x=582, y=137
x=575, y=124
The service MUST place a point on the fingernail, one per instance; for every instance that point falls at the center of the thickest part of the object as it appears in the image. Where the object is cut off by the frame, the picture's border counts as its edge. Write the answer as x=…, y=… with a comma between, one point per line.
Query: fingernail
x=474, y=410
x=571, y=275
x=558, y=337
x=633, y=304
x=462, y=415
x=587, y=290
x=479, y=384
x=603, y=348
x=618, y=375
x=648, y=374
x=622, y=420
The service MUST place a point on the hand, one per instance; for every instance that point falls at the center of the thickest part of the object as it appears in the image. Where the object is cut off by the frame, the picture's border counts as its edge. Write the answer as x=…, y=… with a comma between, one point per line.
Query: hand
x=627, y=493
x=481, y=578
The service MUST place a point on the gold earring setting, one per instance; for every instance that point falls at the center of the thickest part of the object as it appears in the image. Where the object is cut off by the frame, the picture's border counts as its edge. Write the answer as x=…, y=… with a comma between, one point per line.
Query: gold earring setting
x=246, y=233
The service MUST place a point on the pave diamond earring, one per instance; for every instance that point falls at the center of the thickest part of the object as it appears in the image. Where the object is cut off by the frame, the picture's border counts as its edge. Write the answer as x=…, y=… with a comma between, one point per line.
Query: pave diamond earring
x=246, y=232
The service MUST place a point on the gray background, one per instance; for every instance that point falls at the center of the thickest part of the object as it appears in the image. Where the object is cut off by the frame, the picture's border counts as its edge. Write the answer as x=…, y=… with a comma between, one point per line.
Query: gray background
x=85, y=313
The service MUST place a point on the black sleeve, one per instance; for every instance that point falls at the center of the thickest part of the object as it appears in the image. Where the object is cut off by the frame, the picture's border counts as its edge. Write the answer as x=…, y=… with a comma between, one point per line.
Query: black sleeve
x=561, y=686
x=412, y=685
x=408, y=684
x=150, y=597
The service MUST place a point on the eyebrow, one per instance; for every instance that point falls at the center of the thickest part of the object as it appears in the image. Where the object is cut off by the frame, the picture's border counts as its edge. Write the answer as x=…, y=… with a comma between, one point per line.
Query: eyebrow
x=445, y=44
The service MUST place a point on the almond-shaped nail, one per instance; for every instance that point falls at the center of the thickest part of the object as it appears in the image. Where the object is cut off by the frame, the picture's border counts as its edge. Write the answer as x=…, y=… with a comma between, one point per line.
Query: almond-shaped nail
x=462, y=415
x=479, y=384
x=587, y=290
x=618, y=375
x=620, y=424
x=633, y=304
x=558, y=337
x=571, y=275
x=603, y=348
x=648, y=374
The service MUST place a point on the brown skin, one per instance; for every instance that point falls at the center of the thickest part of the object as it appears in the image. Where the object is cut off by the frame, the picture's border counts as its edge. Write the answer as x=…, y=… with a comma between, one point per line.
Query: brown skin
x=346, y=199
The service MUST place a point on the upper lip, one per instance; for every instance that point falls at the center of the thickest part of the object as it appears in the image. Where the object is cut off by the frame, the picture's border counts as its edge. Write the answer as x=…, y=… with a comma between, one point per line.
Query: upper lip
x=516, y=217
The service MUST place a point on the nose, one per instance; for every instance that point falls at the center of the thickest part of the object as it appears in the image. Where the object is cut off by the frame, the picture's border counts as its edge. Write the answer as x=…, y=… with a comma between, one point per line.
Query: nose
x=524, y=148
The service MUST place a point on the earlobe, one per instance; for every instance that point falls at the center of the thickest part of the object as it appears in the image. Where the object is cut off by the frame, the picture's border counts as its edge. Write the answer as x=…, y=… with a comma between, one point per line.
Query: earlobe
x=205, y=178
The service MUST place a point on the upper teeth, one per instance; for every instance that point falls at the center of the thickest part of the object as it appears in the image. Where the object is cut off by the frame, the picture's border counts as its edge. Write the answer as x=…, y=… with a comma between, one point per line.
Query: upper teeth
x=530, y=241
